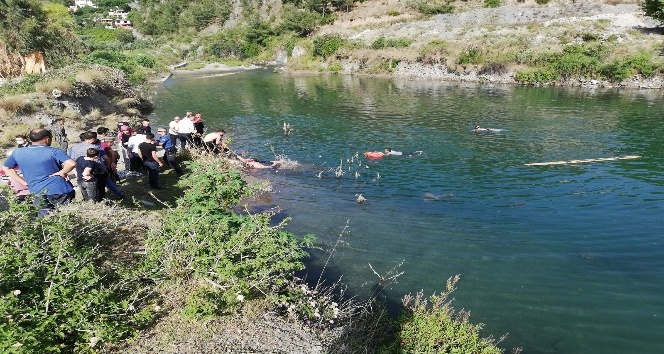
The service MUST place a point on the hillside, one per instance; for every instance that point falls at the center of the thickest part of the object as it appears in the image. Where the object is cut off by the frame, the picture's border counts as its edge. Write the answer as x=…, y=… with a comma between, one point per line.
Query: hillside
x=509, y=37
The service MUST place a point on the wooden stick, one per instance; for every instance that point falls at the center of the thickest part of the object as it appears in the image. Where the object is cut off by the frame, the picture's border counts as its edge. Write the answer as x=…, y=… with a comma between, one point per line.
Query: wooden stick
x=571, y=162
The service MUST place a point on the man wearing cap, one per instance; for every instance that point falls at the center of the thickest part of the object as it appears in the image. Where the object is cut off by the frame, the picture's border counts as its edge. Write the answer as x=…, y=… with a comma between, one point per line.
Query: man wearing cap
x=170, y=151
x=44, y=171
x=173, y=129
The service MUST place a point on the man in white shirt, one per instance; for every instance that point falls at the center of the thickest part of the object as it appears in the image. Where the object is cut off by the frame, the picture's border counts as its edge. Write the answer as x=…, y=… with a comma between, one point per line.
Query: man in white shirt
x=135, y=162
x=173, y=129
x=185, y=129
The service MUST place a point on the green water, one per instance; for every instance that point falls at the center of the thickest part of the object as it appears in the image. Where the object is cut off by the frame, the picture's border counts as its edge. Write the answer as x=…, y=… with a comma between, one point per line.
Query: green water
x=567, y=259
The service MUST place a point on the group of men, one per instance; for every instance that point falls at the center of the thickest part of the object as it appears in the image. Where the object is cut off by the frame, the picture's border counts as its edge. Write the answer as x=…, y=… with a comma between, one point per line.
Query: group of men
x=43, y=169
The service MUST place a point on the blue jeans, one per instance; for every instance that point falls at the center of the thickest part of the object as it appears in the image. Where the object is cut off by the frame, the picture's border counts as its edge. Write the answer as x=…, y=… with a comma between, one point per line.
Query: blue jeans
x=114, y=187
x=153, y=173
x=46, y=203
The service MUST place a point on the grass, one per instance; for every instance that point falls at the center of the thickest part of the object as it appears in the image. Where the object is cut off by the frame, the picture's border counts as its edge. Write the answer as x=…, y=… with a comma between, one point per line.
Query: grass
x=15, y=104
x=47, y=87
x=9, y=131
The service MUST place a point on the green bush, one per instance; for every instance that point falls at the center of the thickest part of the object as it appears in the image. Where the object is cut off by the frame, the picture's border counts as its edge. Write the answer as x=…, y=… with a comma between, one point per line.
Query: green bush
x=301, y=21
x=470, y=55
x=326, y=45
x=539, y=76
x=491, y=3
x=621, y=69
x=223, y=257
x=542, y=2
x=381, y=42
x=433, y=326
x=62, y=288
x=432, y=7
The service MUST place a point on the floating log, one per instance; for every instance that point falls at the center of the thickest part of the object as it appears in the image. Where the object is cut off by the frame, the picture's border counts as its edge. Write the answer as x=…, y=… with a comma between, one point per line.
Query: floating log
x=572, y=162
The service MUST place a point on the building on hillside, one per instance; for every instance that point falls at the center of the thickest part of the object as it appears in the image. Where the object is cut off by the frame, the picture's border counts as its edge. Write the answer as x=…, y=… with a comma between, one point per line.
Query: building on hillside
x=118, y=14
x=123, y=24
x=83, y=3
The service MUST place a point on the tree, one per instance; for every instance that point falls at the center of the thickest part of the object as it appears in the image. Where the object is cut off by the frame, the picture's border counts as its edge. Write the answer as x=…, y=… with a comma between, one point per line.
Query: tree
x=654, y=9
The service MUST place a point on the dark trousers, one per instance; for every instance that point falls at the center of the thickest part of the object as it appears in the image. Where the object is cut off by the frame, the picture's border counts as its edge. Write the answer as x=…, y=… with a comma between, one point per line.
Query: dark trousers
x=184, y=138
x=170, y=156
x=46, y=203
x=89, y=191
x=135, y=162
x=174, y=139
x=153, y=173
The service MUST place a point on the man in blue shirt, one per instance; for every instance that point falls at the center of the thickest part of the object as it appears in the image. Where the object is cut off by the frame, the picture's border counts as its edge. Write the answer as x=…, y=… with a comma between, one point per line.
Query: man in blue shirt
x=170, y=151
x=44, y=170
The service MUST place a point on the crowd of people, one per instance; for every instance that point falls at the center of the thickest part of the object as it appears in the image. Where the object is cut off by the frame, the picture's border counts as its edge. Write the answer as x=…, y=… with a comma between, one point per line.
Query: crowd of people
x=43, y=160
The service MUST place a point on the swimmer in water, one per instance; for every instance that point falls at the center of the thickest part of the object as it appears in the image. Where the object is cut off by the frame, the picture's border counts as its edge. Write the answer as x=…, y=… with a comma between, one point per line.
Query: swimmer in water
x=254, y=163
x=389, y=151
x=480, y=129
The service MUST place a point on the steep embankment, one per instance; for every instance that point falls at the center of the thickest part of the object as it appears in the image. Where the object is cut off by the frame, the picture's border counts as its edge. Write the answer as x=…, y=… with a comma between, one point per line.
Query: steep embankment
x=512, y=35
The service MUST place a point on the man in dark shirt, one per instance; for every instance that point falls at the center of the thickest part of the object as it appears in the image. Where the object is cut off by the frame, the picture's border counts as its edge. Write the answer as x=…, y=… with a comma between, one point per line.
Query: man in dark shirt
x=145, y=127
x=93, y=175
x=148, y=152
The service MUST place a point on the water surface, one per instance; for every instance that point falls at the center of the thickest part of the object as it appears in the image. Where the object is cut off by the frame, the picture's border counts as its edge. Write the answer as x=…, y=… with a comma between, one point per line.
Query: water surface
x=567, y=259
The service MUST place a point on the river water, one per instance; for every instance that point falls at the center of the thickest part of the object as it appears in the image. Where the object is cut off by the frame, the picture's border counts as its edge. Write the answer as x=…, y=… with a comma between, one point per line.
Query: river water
x=567, y=259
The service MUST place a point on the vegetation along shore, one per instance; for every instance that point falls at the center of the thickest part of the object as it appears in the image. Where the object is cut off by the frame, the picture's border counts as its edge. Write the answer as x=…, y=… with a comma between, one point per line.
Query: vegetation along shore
x=188, y=269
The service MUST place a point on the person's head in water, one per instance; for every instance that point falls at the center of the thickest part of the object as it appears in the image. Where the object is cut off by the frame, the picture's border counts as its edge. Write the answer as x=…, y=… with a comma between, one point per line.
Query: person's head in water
x=477, y=127
x=388, y=150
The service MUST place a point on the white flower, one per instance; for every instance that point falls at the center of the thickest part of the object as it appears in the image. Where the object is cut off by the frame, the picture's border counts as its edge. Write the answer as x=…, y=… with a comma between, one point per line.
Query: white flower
x=240, y=297
x=317, y=315
x=130, y=308
x=157, y=307
x=94, y=341
x=16, y=292
x=16, y=345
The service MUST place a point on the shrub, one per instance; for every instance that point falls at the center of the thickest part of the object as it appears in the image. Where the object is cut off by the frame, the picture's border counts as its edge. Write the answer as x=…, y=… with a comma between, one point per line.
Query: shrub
x=301, y=21
x=542, y=2
x=393, y=12
x=491, y=3
x=432, y=7
x=61, y=287
x=470, y=55
x=382, y=42
x=326, y=45
x=433, y=326
x=539, y=76
x=222, y=256
x=433, y=52
x=493, y=68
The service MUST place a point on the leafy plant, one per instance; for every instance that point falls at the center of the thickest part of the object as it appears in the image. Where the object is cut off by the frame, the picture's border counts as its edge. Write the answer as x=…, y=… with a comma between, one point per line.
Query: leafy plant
x=432, y=7
x=470, y=55
x=224, y=257
x=61, y=287
x=431, y=325
x=326, y=45
x=491, y=3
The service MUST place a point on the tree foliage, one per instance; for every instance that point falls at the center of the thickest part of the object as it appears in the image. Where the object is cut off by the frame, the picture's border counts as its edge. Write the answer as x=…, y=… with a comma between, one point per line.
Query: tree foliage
x=654, y=9
x=30, y=25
